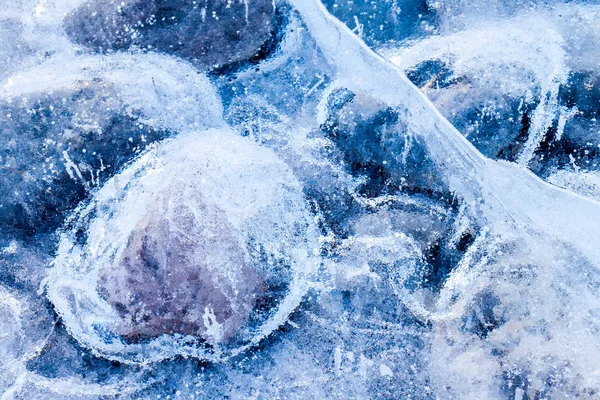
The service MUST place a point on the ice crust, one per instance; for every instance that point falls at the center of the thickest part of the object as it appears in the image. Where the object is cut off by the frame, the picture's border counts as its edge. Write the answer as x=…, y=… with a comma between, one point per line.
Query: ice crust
x=400, y=203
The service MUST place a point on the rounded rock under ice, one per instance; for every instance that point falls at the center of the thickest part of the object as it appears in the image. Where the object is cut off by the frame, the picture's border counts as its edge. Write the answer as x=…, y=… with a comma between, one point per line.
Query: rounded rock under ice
x=200, y=248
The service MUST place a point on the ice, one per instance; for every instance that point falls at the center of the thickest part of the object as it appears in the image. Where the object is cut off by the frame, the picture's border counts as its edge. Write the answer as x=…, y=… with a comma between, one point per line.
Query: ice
x=299, y=199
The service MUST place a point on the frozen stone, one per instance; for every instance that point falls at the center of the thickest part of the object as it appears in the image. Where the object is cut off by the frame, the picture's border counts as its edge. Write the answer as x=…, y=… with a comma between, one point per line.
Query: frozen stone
x=182, y=272
x=56, y=147
x=378, y=147
x=214, y=241
x=70, y=124
x=210, y=33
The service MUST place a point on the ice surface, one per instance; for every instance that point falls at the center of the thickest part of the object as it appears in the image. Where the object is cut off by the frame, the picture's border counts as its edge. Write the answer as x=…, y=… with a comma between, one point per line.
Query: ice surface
x=296, y=199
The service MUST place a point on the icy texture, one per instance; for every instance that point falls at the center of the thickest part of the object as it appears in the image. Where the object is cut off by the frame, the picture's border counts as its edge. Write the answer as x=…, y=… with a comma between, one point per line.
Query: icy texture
x=256, y=199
